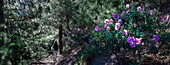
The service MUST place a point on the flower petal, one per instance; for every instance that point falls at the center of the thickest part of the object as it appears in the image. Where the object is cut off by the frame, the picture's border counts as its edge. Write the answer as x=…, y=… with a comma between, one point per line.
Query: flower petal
x=132, y=44
x=117, y=26
x=97, y=29
x=124, y=32
x=111, y=21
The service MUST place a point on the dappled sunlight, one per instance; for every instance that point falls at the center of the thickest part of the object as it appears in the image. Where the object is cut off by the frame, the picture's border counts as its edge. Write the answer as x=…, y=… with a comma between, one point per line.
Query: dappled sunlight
x=85, y=32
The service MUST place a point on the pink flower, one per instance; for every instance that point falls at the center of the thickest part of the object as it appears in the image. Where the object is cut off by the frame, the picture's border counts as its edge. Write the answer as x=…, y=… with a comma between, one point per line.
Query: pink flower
x=119, y=20
x=72, y=34
x=117, y=26
x=124, y=32
x=127, y=6
x=78, y=29
x=151, y=12
x=157, y=31
x=138, y=40
x=139, y=9
x=106, y=21
x=108, y=28
x=111, y=21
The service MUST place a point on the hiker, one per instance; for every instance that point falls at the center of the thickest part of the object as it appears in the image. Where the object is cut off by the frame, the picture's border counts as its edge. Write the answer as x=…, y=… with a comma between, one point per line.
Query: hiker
x=54, y=48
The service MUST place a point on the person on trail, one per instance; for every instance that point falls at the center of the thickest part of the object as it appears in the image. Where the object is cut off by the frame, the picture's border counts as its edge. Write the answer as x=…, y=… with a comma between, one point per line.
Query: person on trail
x=54, y=48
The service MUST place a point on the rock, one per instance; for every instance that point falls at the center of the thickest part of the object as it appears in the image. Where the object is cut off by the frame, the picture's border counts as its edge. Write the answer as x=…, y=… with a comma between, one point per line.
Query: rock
x=104, y=60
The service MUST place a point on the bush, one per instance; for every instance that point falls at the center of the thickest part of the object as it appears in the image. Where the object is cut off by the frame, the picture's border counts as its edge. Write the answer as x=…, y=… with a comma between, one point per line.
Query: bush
x=15, y=52
x=131, y=30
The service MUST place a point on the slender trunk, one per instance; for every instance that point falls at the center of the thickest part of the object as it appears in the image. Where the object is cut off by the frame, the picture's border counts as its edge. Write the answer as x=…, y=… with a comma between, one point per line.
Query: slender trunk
x=60, y=38
x=2, y=22
x=1, y=15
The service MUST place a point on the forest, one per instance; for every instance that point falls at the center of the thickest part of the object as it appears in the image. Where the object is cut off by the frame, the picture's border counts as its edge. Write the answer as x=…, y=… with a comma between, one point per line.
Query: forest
x=84, y=32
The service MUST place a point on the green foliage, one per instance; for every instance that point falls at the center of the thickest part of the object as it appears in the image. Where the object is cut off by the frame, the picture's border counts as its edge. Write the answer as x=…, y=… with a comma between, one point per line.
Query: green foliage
x=14, y=51
x=25, y=26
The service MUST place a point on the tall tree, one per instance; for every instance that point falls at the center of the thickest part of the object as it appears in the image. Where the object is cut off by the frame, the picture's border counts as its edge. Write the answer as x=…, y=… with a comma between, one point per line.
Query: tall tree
x=1, y=26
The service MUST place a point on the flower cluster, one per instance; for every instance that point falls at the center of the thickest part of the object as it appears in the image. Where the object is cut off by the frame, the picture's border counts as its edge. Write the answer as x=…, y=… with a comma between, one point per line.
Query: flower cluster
x=132, y=40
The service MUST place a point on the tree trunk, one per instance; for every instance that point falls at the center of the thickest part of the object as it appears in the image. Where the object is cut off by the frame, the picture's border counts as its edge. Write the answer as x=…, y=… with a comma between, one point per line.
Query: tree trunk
x=60, y=38
x=1, y=15
x=2, y=23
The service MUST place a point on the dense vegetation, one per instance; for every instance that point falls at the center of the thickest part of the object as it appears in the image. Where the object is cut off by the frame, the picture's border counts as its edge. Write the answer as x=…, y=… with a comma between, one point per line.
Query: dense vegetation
x=28, y=26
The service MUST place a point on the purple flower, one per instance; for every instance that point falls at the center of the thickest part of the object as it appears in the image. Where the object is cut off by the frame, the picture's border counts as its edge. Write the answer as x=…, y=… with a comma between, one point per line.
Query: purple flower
x=139, y=9
x=118, y=17
x=97, y=29
x=106, y=25
x=117, y=26
x=124, y=32
x=156, y=37
x=151, y=12
x=132, y=45
x=119, y=20
x=114, y=15
x=111, y=21
x=127, y=6
x=130, y=39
